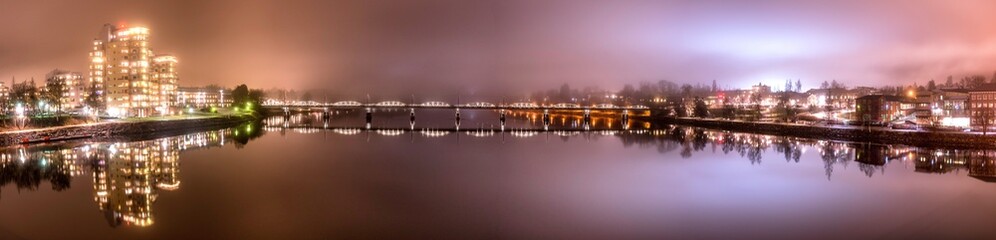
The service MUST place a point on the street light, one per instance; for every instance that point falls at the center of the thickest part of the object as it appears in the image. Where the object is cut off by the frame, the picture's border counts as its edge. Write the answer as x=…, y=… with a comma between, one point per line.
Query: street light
x=19, y=110
x=20, y=119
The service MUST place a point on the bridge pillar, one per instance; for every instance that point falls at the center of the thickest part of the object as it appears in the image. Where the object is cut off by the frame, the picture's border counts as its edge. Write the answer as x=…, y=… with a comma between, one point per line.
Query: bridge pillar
x=546, y=116
x=625, y=116
x=369, y=116
x=411, y=122
x=501, y=116
x=587, y=116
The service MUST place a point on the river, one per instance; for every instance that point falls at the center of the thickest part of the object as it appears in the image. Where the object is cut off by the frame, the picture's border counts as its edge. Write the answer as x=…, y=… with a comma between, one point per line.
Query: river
x=311, y=177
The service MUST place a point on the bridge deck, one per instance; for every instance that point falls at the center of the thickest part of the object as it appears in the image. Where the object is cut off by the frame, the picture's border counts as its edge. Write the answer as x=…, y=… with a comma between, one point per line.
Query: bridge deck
x=452, y=107
x=469, y=131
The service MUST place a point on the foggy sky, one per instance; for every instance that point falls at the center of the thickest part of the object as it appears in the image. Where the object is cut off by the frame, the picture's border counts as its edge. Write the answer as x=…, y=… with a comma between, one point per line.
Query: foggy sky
x=513, y=46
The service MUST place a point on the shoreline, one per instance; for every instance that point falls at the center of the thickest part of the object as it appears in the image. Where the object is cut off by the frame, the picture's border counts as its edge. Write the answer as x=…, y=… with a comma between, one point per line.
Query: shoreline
x=959, y=140
x=119, y=128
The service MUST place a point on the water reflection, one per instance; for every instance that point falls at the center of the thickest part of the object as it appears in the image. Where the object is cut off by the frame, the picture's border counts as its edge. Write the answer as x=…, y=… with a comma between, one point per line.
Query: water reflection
x=127, y=176
x=871, y=159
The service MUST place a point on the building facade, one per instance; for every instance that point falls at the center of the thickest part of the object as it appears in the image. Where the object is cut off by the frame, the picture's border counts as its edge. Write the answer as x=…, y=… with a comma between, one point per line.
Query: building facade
x=72, y=88
x=6, y=104
x=164, y=73
x=982, y=107
x=132, y=80
x=953, y=102
x=878, y=109
x=193, y=97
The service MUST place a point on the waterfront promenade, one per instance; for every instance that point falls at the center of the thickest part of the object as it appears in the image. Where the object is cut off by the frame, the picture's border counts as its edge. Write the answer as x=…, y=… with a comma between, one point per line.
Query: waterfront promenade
x=117, y=127
x=947, y=139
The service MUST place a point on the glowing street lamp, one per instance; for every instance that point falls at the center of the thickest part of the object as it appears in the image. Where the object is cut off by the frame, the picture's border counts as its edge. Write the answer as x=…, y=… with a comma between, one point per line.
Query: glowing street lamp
x=19, y=110
x=20, y=120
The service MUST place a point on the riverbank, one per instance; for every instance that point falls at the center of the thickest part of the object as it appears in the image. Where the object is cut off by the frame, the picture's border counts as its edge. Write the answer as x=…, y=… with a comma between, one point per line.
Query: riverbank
x=844, y=133
x=137, y=127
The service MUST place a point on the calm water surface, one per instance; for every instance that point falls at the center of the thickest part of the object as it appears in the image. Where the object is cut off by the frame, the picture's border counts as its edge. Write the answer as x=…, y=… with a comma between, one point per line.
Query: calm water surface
x=303, y=177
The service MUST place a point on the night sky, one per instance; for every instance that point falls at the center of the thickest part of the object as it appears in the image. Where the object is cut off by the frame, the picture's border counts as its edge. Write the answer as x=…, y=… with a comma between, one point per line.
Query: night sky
x=515, y=46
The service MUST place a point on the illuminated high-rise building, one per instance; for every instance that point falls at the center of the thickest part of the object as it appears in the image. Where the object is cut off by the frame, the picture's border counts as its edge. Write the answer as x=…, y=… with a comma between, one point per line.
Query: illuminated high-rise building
x=131, y=79
x=164, y=75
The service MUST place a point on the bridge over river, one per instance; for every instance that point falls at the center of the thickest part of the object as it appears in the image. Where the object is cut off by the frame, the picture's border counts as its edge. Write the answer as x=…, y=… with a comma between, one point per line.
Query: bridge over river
x=473, y=132
x=312, y=105
x=288, y=107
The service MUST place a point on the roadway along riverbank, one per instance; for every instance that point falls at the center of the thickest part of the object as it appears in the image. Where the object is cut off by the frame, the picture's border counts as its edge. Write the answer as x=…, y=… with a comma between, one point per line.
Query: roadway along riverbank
x=844, y=133
x=145, y=127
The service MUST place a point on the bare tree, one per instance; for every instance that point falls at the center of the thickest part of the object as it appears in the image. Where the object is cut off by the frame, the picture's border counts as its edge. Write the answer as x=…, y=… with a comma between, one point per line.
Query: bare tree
x=975, y=81
x=54, y=92
x=984, y=117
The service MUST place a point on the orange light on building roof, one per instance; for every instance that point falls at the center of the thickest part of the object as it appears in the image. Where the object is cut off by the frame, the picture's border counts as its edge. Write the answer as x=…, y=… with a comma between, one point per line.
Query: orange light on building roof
x=133, y=31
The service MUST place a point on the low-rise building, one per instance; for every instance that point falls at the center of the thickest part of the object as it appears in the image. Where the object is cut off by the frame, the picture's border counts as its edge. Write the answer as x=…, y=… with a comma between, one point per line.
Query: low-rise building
x=199, y=97
x=837, y=98
x=878, y=108
x=795, y=99
x=981, y=104
x=924, y=106
x=953, y=102
x=72, y=88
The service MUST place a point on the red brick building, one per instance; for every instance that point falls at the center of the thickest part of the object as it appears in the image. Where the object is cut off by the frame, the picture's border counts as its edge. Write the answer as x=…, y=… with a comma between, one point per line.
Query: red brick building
x=878, y=109
x=981, y=105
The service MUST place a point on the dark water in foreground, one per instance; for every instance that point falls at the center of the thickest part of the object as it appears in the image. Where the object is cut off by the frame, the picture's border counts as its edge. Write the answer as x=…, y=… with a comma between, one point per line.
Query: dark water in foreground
x=287, y=179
